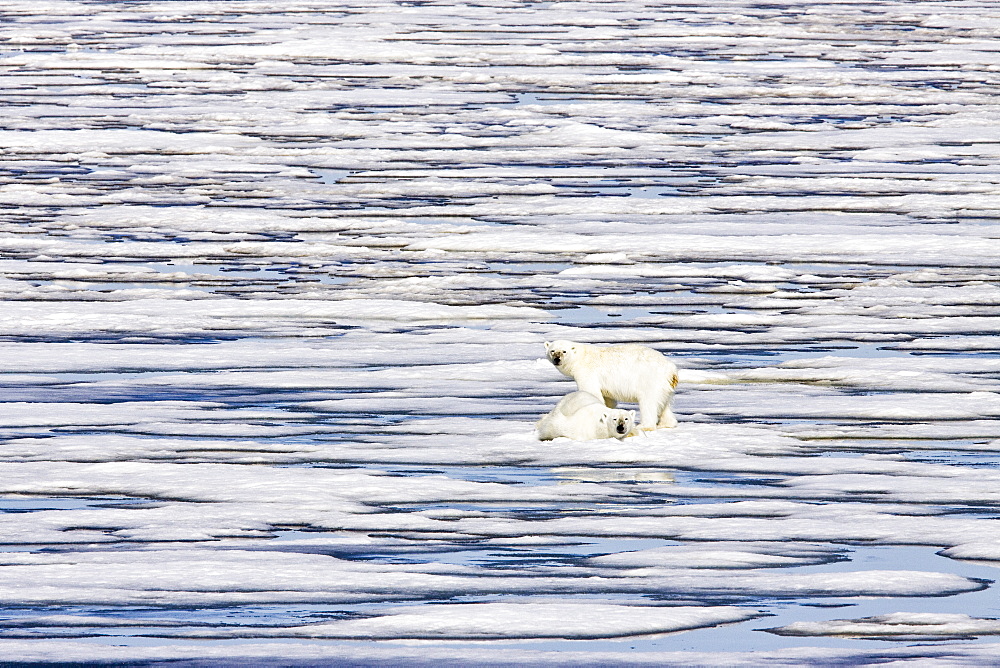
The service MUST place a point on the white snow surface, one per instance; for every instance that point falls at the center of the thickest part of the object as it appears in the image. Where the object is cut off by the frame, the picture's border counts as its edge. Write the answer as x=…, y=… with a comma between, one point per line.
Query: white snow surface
x=908, y=625
x=276, y=279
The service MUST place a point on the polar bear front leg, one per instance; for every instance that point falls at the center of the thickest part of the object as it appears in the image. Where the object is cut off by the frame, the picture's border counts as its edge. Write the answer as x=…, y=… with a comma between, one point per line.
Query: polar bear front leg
x=590, y=386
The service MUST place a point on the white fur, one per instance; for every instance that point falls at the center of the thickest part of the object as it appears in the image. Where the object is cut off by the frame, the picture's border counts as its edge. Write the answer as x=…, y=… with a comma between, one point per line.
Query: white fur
x=582, y=417
x=627, y=372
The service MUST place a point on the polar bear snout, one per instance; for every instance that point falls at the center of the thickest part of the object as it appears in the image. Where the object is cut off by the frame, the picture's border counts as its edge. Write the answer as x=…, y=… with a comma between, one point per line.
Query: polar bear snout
x=560, y=354
x=624, y=422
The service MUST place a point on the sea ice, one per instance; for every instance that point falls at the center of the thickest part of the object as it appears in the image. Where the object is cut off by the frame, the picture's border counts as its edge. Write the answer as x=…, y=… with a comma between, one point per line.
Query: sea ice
x=276, y=281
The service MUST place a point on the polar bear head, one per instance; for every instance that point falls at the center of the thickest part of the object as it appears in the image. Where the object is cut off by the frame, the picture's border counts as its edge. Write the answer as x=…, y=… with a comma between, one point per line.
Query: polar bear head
x=618, y=422
x=561, y=354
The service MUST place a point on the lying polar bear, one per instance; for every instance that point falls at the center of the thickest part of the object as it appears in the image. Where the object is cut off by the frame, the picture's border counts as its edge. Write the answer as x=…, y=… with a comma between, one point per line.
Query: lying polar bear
x=627, y=372
x=581, y=416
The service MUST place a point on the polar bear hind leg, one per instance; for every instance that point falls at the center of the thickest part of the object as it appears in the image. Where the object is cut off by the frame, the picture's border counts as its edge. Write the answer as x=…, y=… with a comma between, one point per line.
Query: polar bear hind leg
x=667, y=419
x=649, y=410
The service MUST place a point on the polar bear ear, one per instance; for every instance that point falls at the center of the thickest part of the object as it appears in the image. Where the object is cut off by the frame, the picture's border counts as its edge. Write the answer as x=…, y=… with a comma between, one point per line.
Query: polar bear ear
x=548, y=345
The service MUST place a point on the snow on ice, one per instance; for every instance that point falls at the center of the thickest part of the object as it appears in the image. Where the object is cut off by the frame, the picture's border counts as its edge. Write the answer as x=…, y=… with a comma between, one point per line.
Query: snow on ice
x=276, y=279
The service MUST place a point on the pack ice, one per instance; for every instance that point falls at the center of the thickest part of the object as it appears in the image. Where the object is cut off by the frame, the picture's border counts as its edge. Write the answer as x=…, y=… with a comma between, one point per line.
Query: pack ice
x=276, y=282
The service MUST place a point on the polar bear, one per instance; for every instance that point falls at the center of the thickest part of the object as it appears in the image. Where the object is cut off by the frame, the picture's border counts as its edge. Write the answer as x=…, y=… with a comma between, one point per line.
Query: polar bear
x=629, y=372
x=583, y=417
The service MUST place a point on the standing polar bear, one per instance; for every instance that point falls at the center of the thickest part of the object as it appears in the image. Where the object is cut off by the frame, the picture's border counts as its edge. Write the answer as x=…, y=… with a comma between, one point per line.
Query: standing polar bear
x=629, y=372
x=582, y=417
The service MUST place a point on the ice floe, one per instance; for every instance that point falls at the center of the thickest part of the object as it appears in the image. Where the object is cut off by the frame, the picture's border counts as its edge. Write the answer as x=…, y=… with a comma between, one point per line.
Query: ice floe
x=896, y=626
x=276, y=281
